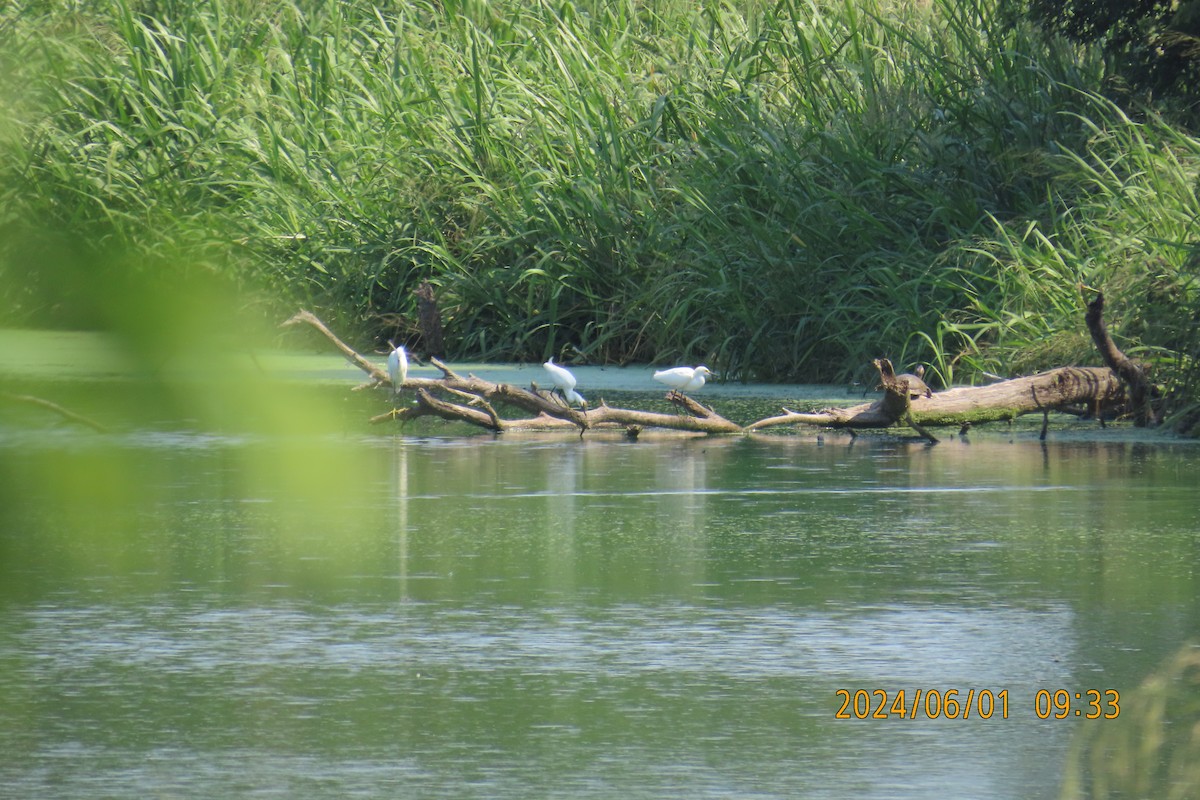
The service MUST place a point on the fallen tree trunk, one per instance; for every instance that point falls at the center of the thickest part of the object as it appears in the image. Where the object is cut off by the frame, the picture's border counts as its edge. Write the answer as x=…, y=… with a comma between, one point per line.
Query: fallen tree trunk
x=971, y=405
x=905, y=401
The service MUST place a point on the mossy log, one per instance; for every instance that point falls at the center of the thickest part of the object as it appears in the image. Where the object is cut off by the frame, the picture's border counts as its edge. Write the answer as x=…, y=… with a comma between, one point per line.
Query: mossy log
x=1095, y=387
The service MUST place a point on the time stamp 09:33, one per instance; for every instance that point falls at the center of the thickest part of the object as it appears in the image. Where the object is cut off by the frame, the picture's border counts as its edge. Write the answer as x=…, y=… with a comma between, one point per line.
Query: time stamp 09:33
x=974, y=703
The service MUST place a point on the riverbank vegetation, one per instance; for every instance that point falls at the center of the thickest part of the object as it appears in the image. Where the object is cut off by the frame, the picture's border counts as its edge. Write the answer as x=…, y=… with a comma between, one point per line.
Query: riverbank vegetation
x=783, y=190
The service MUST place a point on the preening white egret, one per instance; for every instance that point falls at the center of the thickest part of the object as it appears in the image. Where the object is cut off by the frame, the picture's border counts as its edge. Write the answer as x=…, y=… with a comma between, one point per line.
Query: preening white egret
x=683, y=379
x=564, y=382
x=398, y=367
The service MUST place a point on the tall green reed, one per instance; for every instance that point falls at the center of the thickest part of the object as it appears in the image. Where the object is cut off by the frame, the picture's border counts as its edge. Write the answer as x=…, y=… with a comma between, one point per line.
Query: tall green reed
x=784, y=190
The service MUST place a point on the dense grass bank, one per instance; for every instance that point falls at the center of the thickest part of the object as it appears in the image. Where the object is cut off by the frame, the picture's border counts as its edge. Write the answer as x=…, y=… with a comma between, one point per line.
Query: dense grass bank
x=783, y=190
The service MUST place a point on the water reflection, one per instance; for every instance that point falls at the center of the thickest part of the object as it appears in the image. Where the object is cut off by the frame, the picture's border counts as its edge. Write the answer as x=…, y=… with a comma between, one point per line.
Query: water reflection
x=588, y=618
x=400, y=502
x=753, y=689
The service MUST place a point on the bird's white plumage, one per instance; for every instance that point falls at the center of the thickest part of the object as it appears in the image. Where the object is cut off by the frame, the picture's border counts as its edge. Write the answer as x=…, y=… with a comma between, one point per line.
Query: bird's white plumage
x=683, y=379
x=398, y=367
x=564, y=382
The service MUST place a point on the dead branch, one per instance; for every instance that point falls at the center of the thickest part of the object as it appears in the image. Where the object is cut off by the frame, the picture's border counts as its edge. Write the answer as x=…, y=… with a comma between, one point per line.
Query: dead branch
x=906, y=400
x=65, y=413
x=377, y=373
x=1131, y=372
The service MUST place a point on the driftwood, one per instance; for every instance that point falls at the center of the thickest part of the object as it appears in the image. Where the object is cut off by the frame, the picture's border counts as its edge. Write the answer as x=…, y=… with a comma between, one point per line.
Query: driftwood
x=474, y=400
x=478, y=397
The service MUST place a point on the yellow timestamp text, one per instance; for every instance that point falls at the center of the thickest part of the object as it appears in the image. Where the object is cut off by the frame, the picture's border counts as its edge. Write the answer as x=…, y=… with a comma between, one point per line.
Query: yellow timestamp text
x=927, y=703
x=1065, y=704
x=974, y=703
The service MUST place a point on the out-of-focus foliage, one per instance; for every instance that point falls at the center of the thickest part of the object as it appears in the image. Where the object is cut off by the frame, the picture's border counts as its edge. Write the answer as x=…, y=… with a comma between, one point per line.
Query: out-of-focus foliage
x=1149, y=748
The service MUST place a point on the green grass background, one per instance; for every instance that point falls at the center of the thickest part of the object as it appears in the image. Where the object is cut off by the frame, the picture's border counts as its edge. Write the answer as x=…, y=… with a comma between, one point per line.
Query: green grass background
x=783, y=190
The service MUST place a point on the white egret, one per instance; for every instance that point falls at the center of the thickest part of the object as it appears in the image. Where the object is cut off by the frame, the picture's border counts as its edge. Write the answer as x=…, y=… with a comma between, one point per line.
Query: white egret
x=398, y=367
x=683, y=379
x=564, y=382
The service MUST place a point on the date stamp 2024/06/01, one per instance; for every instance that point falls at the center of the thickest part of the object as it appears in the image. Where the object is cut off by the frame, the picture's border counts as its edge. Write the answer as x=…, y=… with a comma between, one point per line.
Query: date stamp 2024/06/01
x=974, y=703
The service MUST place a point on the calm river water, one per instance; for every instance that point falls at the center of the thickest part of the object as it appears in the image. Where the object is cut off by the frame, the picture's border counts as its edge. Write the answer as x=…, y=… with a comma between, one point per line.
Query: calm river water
x=188, y=615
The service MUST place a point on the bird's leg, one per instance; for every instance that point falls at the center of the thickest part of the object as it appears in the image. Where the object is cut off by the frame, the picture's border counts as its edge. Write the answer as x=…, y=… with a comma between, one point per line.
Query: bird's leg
x=676, y=398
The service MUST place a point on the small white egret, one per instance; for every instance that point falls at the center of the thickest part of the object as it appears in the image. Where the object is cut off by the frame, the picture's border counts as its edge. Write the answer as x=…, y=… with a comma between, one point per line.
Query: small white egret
x=398, y=367
x=564, y=382
x=683, y=379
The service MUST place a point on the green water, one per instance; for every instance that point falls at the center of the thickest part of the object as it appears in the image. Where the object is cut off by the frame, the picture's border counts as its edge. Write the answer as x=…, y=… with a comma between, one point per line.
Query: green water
x=186, y=614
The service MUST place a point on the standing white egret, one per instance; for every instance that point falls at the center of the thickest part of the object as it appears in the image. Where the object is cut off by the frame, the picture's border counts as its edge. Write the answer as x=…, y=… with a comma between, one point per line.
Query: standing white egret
x=683, y=379
x=564, y=382
x=398, y=367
